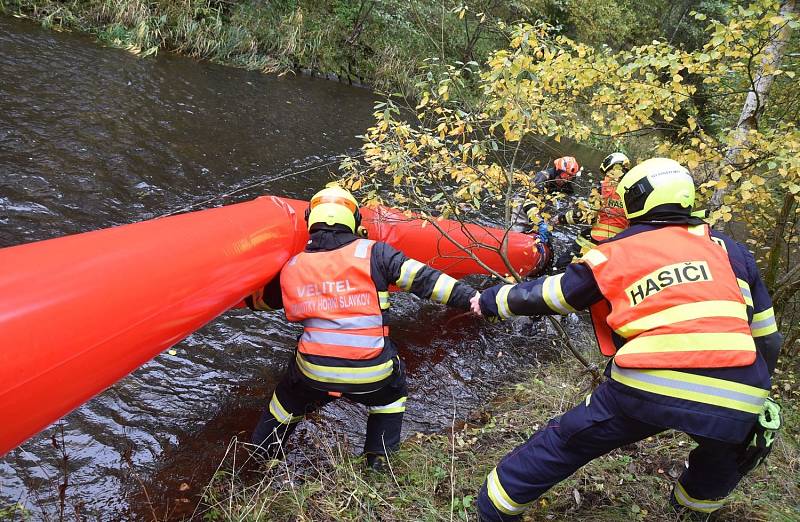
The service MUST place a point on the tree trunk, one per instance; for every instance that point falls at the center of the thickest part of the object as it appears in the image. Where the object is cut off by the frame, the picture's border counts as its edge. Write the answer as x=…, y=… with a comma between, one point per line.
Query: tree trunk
x=756, y=100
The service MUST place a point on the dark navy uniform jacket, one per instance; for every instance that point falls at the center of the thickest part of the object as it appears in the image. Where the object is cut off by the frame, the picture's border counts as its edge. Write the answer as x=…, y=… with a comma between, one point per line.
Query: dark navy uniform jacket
x=581, y=291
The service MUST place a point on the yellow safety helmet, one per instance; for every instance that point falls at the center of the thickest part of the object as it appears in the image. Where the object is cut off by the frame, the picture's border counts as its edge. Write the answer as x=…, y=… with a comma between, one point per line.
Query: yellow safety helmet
x=333, y=205
x=655, y=182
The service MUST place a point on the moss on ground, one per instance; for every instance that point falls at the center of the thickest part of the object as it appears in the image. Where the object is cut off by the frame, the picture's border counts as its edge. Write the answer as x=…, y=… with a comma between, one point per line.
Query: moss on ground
x=436, y=476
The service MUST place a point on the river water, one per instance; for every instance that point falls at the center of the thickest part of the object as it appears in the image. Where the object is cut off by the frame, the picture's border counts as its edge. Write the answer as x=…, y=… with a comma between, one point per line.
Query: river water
x=92, y=137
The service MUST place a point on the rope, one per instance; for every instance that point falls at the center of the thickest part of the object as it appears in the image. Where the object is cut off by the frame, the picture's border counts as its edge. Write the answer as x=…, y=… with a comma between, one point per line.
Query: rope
x=288, y=173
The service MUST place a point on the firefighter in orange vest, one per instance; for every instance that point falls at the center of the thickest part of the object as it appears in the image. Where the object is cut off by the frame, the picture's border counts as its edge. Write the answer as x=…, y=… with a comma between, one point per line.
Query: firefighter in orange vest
x=559, y=178
x=690, y=328
x=609, y=219
x=337, y=288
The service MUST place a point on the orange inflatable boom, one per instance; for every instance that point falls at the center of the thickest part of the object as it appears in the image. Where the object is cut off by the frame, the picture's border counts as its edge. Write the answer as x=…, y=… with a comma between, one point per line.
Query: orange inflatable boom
x=80, y=312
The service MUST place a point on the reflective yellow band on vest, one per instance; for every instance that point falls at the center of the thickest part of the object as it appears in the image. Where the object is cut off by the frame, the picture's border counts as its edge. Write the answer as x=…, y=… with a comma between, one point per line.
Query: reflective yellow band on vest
x=408, y=271
x=383, y=299
x=501, y=300
x=279, y=412
x=443, y=288
x=554, y=296
x=689, y=342
x=344, y=374
x=703, y=506
x=607, y=231
x=397, y=406
x=745, y=288
x=691, y=387
x=684, y=312
x=763, y=323
x=500, y=498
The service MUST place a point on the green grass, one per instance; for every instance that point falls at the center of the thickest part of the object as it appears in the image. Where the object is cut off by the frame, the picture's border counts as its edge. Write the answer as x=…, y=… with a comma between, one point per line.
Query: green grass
x=437, y=476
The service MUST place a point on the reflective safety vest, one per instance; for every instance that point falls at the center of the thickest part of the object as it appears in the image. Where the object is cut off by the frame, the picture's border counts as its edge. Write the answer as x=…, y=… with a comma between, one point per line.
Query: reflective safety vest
x=672, y=297
x=334, y=297
x=610, y=219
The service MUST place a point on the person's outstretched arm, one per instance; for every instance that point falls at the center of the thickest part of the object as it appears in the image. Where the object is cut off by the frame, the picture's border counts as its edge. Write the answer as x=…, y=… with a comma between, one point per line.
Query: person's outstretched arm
x=565, y=293
x=391, y=267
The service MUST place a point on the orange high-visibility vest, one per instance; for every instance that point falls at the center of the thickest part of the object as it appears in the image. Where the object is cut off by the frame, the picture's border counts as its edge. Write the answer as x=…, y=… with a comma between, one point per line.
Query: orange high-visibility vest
x=674, y=299
x=610, y=219
x=333, y=295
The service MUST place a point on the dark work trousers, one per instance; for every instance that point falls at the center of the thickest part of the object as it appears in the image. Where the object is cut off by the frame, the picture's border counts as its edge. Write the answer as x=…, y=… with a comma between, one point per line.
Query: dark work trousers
x=293, y=398
x=586, y=432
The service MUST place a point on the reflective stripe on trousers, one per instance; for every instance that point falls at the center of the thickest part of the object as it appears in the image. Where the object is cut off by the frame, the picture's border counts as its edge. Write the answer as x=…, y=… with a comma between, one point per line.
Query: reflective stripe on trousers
x=703, y=506
x=397, y=406
x=500, y=498
x=280, y=413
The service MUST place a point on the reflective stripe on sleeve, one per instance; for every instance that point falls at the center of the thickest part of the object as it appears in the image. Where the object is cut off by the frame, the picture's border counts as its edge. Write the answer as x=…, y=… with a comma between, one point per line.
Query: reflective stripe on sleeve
x=745, y=288
x=383, y=299
x=371, y=342
x=443, y=288
x=397, y=406
x=500, y=498
x=554, y=296
x=763, y=323
x=501, y=300
x=345, y=375
x=691, y=387
x=365, y=321
x=279, y=412
x=408, y=271
x=703, y=506
x=684, y=312
x=594, y=257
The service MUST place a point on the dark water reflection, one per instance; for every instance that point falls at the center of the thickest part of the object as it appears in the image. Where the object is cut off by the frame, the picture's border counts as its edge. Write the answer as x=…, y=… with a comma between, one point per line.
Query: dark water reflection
x=93, y=137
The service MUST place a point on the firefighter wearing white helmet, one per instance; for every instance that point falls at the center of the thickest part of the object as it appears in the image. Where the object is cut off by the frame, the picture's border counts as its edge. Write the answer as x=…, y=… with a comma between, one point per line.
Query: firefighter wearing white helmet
x=607, y=220
x=338, y=289
x=614, y=159
x=688, y=325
